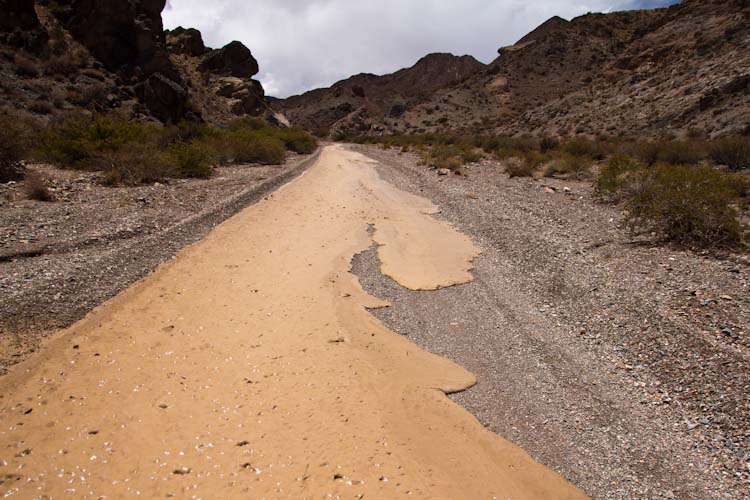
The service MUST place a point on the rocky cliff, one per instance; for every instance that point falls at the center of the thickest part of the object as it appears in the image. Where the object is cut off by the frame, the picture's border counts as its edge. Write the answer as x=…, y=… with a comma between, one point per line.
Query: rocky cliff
x=102, y=55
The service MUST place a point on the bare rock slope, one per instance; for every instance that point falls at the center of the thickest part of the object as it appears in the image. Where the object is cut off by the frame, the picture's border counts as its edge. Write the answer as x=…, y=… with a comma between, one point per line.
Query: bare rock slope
x=636, y=73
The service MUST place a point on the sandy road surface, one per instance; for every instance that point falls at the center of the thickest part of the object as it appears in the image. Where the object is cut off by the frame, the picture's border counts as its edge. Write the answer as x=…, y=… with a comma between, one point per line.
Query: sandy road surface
x=249, y=368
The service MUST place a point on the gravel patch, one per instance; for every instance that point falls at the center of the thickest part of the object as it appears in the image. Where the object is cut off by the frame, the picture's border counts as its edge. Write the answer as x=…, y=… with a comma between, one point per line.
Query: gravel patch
x=60, y=260
x=620, y=363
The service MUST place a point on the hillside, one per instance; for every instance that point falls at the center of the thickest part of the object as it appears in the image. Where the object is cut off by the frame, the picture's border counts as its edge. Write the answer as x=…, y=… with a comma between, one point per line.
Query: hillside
x=70, y=55
x=366, y=99
x=635, y=73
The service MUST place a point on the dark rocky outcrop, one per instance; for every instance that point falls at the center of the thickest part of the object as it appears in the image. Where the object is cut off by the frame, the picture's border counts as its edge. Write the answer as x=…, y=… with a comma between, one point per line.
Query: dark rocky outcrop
x=20, y=26
x=127, y=36
x=186, y=41
x=234, y=59
x=164, y=98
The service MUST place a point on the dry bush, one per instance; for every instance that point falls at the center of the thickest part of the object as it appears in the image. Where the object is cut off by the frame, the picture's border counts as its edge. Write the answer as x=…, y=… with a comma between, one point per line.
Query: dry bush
x=687, y=205
x=674, y=152
x=14, y=144
x=517, y=167
x=136, y=163
x=63, y=64
x=614, y=177
x=585, y=148
x=41, y=107
x=25, y=66
x=36, y=188
x=194, y=159
x=568, y=164
x=733, y=152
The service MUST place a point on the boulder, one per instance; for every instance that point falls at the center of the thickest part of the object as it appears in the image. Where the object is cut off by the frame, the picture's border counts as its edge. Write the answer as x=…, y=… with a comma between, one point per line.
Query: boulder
x=164, y=98
x=186, y=41
x=247, y=96
x=234, y=59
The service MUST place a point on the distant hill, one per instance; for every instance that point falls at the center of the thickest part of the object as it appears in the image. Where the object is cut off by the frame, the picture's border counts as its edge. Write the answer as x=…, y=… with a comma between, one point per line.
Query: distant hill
x=627, y=74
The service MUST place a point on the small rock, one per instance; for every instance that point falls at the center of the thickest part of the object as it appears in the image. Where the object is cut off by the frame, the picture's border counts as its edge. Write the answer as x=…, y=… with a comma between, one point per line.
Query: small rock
x=443, y=171
x=182, y=471
x=550, y=190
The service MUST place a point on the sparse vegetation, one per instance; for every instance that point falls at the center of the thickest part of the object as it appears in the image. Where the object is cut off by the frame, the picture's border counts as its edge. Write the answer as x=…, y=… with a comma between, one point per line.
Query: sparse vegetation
x=688, y=205
x=36, y=188
x=516, y=167
x=733, y=152
x=663, y=186
x=25, y=66
x=132, y=152
x=13, y=148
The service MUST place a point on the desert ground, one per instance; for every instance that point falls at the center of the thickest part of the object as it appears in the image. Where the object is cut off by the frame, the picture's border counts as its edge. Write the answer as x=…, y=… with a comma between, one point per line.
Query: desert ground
x=250, y=365
x=305, y=347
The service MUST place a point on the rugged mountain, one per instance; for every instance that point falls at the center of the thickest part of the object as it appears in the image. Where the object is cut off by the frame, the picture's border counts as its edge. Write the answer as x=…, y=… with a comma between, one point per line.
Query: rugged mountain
x=635, y=73
x=114, y=54
x=363, y=100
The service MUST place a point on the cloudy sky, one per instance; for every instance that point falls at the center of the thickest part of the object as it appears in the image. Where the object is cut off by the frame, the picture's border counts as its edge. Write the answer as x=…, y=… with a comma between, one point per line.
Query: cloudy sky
x=305, y=44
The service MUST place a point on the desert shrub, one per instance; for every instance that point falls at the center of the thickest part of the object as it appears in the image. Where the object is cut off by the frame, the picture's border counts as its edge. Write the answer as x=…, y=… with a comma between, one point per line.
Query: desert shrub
x=674, y=152
x=733, y=152
x=25, y=66
x=688, y=205
x=185, y=132
x=297, y=140
x=14, y=145
x=36, y=188
x=62, y=64
x=472, y=155
x=568, y=164
x=77, y=141
x=517, y=167
x=41, y=107
x=585, y=148
x=136, y=163
x=254, y=146
x=681, y=152
x=614, y=175
x=547, y=144
x=194, y=159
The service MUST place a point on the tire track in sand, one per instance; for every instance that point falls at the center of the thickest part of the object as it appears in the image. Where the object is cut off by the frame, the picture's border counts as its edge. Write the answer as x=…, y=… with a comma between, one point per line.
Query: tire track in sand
x=249, y=368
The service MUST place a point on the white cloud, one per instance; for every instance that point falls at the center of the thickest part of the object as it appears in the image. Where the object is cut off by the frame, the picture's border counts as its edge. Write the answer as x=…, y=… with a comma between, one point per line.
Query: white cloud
x=302, y=44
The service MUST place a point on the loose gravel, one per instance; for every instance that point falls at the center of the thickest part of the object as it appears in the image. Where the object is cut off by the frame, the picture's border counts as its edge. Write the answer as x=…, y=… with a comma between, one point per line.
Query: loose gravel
x=619, y=362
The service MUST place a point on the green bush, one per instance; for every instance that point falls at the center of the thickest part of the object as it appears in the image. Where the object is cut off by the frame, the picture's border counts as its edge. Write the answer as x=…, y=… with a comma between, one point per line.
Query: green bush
x=136, y=163
x=194, y=159
x=586, y=148
x=674, y=152
x=298, y=140
x=614, y=175
x=254, y=146
x=77, y=141
x=733, y=152
x=569, y=164
x=688, y=205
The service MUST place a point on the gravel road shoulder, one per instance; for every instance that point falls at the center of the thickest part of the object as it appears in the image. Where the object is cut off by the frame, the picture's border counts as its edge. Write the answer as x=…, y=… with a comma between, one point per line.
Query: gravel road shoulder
x=60, y=260
x=620, y=363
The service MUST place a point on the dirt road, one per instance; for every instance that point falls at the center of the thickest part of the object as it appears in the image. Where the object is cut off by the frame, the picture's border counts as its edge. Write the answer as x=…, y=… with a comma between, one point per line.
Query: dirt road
x=250, y=368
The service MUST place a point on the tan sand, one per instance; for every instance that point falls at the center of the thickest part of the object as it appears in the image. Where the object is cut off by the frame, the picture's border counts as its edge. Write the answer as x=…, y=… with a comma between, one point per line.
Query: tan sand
x=249, y=368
